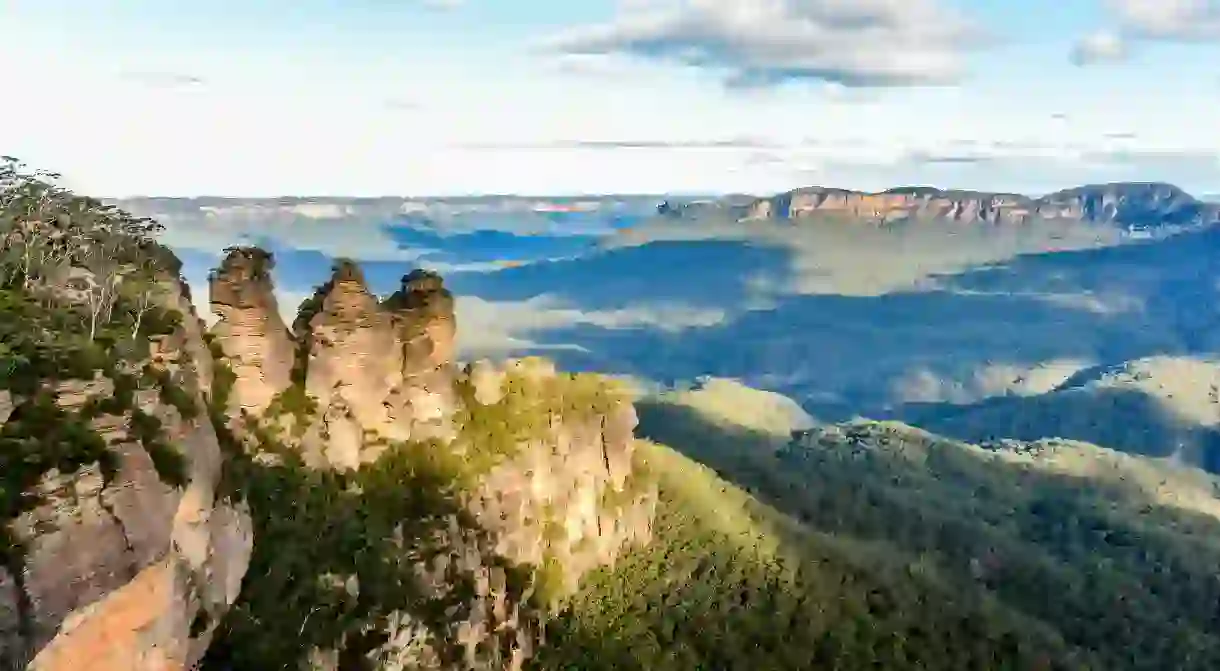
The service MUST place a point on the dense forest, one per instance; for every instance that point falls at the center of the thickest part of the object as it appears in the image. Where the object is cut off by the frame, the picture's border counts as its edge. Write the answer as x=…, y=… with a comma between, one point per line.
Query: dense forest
x=1090, y=557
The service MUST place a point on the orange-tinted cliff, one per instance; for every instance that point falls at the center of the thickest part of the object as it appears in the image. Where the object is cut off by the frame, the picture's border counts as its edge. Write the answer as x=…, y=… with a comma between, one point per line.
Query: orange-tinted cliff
x=1123, y=204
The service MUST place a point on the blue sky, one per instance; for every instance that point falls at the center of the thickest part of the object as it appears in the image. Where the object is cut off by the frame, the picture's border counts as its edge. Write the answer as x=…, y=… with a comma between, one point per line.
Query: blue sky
x=428, y=97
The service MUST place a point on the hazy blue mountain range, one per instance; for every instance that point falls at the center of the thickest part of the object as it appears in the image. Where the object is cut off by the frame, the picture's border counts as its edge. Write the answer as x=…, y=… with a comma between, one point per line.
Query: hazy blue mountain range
x=874, y=321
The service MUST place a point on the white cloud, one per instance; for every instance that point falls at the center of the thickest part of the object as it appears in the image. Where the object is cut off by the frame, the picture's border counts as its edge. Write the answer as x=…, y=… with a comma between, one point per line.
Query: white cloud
x=487, y=328
x=163, y=80
x=1170, y=19
x=1100, y=47
x=971, y=385
x=851, y=42
x=352, y=238
x=315, y=119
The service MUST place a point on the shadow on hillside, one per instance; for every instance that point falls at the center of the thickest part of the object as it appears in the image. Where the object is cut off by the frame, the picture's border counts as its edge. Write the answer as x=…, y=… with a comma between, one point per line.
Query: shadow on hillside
x=1121, y=419
x=844, y=354
x=839, y=355
x=1074, y=553
x=699, y=274
x=1176, y=279
x=738, y=454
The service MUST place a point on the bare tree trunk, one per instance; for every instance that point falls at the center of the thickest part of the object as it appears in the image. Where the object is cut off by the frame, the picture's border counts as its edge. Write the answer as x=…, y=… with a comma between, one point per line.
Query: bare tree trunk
x=92, y=320
x=141, y=308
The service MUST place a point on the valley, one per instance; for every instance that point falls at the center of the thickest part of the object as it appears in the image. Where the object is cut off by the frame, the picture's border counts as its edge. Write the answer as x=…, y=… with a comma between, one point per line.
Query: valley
x=722, y=481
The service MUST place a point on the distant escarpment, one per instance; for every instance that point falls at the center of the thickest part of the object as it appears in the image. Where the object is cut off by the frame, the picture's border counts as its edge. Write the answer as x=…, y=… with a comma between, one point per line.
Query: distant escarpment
x=1130, y=205
x=456, y=505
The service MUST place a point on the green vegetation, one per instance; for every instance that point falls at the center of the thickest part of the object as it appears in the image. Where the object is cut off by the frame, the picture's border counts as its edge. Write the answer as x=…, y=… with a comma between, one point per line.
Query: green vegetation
x=880, y=546
x=374, y=524
x=40, y=438
x=320, y=532
x=731, y=584
x=494, y=432
x=79, y=283
x=170, y=464
x=170, y=392
x=861, y=547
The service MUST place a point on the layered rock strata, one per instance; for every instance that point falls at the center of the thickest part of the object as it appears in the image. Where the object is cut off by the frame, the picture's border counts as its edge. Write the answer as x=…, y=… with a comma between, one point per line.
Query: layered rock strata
x=123, y=565
x=1125, y=205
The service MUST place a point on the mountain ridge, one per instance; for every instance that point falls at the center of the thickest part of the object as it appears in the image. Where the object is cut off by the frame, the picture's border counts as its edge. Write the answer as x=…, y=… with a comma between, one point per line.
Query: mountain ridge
x=1130, y=205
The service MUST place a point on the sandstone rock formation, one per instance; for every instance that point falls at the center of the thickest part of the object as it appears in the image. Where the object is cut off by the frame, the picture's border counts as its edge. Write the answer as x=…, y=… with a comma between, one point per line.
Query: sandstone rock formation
x=568, y=497
x=1126, y=205
x=544, y=461
x=123, y=565
x=370, y=367
x=250, y=331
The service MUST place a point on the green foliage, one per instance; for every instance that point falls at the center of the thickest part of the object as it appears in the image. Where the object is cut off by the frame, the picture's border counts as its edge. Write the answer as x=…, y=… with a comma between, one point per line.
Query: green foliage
x=39, y=343
x=158, y=322
x=1087, y=570
x=171, y=465
x=171, y=393
x=549, y=587
x=79, y=283
x=45, y=343
x=708, y=593
x=311, y=524
x=40, y=436
x=294, y=401
x=495, y=432
x=318, y=528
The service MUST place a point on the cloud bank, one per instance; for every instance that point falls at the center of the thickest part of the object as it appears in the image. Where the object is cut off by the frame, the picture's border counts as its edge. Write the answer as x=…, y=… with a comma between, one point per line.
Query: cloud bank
x=1149, y=20
x=857, y=43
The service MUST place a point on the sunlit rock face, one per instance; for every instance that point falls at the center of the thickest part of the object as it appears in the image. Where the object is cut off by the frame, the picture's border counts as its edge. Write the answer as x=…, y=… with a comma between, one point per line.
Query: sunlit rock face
x=568, y=496
x=372, y=367
x=124, y=568
x=1119, y=204
x=249, y=330
x=547, y=460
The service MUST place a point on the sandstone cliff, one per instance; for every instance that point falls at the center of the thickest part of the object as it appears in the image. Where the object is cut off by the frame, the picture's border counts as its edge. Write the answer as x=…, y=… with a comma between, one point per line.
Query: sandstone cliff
x=540, y=464
x=124, y=558
x=1126, y=205
x=257, y=347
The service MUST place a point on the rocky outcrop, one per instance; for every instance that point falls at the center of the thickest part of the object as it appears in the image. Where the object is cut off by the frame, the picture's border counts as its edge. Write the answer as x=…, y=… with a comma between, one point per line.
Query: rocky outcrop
x=249, y=329
x=372, y=368
x=570, y=497
x=1125, y=205
x=1133, y=205
x=542, y=462
x=129, y=561
x=965, y=206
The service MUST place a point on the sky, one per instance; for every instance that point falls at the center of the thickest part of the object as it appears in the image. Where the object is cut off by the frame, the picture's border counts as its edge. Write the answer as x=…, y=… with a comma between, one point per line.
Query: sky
x=444, y=97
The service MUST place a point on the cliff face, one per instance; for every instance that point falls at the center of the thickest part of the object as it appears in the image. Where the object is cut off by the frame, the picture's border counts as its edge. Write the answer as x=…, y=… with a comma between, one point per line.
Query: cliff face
x=250, y=330
x=897, y=204
x=128, y=561
x=541, y=462
x=569, y=496
x=1127, y=205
